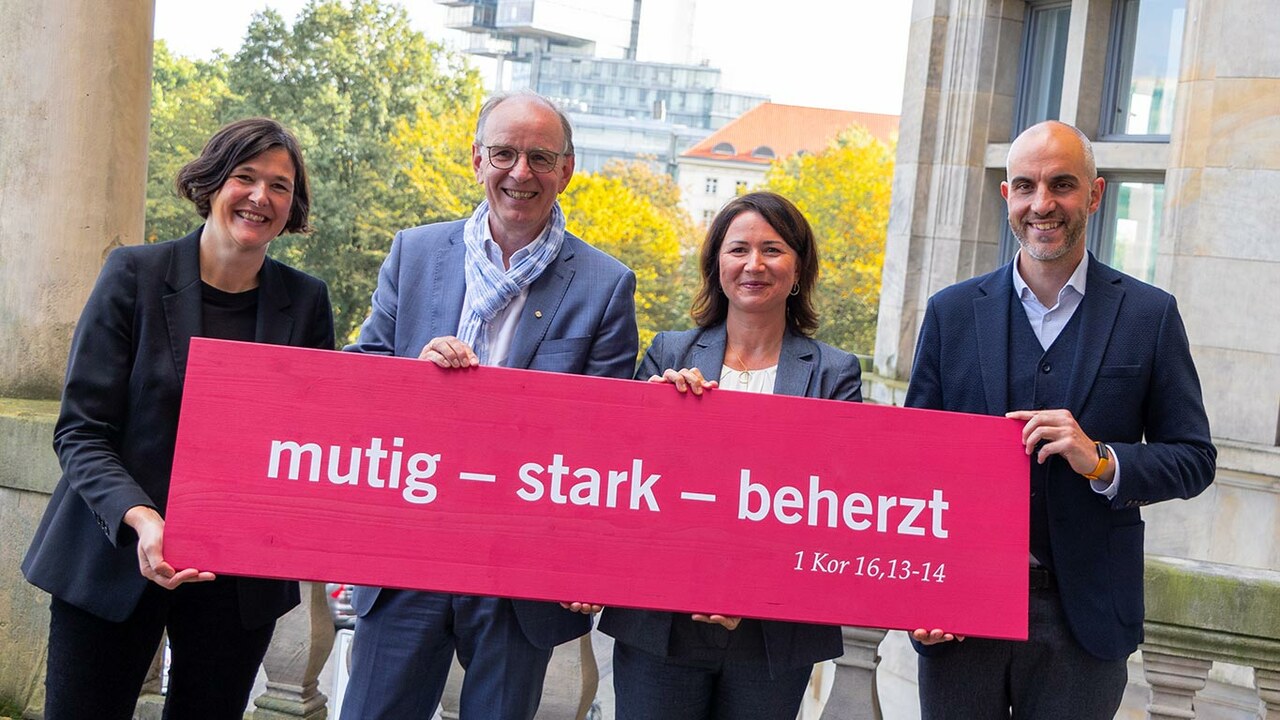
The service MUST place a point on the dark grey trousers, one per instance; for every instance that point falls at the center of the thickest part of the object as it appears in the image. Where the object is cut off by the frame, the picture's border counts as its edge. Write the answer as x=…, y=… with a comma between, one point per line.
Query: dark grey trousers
x=1048, y=677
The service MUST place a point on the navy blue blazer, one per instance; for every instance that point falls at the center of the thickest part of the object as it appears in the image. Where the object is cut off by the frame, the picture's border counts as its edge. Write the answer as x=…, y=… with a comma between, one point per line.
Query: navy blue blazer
x=1134, y=387
x=119, y=419
x=806, y=368
x=579, y=318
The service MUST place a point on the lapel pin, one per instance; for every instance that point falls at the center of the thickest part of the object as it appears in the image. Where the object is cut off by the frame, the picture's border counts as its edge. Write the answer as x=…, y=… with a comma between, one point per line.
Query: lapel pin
x=537, y=313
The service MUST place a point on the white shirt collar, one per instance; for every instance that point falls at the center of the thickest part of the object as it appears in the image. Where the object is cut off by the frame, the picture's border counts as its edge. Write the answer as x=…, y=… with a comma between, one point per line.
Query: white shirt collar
x=1076, y=282
x=494, y=251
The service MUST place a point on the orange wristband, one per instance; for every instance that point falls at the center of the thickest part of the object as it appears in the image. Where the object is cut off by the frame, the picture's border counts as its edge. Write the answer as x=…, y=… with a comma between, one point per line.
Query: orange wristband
x=1103, y=461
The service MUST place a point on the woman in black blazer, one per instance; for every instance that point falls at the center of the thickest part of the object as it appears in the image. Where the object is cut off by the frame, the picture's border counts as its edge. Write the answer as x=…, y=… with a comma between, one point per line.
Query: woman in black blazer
x=99, y=550
x=759, y=266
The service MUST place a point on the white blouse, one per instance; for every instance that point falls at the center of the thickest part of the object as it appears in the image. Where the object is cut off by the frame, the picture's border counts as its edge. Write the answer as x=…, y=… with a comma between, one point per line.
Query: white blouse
x=756, y=381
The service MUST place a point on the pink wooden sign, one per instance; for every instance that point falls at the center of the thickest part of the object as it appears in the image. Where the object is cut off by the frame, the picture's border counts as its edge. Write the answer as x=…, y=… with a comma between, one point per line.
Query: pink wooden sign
x=314, y=465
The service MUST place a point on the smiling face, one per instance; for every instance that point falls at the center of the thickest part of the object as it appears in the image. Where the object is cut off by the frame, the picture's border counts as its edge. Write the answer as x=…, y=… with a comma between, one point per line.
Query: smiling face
x=757, y=266
x=252, y=206
x=520, y=199
x=1051, y=193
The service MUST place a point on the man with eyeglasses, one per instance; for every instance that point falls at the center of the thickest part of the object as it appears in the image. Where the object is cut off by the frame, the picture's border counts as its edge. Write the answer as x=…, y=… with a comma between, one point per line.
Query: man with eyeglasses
x=508, y=286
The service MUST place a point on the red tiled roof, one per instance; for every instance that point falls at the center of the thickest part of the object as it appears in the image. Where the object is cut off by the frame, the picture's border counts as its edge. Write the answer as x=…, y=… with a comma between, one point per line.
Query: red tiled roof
x=787, y=129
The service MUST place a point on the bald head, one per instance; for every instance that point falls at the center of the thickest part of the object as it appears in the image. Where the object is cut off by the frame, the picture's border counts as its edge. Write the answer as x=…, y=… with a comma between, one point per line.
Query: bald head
x=1066, y=138
x=525, y=96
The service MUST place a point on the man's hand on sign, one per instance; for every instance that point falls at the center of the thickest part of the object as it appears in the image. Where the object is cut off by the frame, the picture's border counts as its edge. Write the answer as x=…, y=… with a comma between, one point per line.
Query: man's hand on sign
x=1056, y=432
x=584, y=608
x=449, y=352
x=934, y=636
x=727, y=621
x=685, y=379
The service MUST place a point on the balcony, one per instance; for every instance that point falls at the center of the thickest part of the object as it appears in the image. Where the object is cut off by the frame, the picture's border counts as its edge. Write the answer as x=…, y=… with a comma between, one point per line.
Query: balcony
x=472, y=18
x=1198, y=614
x=1211, y=629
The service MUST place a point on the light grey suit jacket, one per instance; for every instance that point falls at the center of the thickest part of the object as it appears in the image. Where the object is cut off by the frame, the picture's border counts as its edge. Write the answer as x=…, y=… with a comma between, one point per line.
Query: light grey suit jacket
x=579, y=318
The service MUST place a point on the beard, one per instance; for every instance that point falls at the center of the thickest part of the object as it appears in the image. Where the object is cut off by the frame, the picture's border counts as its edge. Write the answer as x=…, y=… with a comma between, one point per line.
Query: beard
x=1073, y=234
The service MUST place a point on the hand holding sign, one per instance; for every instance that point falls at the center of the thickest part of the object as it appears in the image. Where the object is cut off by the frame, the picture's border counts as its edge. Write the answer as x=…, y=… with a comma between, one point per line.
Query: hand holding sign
x=395, y=473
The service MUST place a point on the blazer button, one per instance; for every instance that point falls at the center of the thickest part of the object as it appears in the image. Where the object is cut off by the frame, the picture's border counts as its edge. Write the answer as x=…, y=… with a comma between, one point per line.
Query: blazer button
x=1046, y=368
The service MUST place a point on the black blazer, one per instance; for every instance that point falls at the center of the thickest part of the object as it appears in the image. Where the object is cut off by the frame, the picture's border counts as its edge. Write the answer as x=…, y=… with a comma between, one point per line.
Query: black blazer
x=806, y=368
x=1134, y=386
x=119, y=419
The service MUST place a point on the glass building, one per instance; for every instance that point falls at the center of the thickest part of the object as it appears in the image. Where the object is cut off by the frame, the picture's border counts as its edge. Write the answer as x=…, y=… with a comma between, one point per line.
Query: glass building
x=582, y=54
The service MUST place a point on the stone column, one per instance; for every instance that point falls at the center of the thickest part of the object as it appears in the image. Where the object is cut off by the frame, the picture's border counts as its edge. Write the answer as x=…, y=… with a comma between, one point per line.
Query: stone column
x=853, y=694
x=76, y=79
x=1224, y=169
x=943, y=225
x=75, y=76
x=298, y=651
x=1268, y=684
x=151, y=700
x=1174, y=683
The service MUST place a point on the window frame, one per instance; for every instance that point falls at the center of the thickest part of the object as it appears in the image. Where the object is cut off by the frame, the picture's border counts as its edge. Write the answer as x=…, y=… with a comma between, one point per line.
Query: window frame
x=1101, y=235
x=1121, y=45
x=1035, y=11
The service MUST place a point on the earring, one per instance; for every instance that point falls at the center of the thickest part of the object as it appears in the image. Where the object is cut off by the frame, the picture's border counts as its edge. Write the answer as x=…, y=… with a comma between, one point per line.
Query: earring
x=795, y=289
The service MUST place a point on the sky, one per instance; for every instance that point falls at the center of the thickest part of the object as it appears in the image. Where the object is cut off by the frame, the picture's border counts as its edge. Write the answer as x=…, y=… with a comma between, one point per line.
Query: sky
x=842, y=54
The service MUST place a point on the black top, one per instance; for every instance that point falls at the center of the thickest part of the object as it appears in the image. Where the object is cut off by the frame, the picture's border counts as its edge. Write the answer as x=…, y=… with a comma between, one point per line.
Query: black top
x=228, y=316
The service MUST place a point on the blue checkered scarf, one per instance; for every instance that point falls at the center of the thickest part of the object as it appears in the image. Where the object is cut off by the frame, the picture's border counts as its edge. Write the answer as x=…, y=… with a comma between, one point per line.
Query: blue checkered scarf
x=489, y=289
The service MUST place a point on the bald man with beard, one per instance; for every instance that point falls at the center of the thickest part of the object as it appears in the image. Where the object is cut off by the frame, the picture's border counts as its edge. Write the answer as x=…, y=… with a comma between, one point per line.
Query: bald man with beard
x=1098, y=367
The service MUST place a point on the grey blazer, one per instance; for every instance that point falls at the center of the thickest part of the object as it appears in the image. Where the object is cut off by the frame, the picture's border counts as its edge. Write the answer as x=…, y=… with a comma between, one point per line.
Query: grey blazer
x=806, y=368
x=579, y=318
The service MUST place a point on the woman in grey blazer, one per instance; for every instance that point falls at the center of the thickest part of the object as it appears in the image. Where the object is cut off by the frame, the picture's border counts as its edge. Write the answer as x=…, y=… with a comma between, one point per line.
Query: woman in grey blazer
x=759, y=265
x=99, y=548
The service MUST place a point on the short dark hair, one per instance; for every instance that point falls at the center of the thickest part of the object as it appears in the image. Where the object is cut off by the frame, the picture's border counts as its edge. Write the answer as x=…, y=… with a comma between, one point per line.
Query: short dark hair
x=711, y=307
x=498, y=98
x=233, y=145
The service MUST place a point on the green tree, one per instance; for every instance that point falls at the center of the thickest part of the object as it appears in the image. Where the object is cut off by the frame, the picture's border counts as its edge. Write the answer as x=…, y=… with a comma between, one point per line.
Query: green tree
x=188, y=101
x=608, y=213
x=671, y=301
x=353, y=80
x=434, y=179
x=844, y=191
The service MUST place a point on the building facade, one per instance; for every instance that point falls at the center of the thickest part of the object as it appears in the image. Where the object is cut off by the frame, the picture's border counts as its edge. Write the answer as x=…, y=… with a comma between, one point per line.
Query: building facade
x=735, y=158
x=1182, y=100
x=582, y=54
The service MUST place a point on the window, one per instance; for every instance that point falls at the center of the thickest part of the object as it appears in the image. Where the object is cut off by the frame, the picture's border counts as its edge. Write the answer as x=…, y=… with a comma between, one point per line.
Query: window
x=1125, y=231
x=740, y=187
x=763, y=152
x=1145, y=55
x=1130, y=220
x=723, y=148
x=708, y=216
x=1044, y=55
x=713, y=184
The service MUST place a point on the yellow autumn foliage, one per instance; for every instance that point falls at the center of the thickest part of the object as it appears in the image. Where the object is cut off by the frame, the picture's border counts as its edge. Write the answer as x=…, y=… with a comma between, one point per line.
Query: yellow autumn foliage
x=844, y=191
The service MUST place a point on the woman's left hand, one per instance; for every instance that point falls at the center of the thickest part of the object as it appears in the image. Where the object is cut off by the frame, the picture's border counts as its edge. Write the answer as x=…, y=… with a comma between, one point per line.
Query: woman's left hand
x=581, y=607
x=685, y=379
x=727, y=621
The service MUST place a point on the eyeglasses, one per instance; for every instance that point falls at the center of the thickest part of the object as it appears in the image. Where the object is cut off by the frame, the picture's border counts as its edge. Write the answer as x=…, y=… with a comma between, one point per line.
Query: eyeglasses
x=503, y=157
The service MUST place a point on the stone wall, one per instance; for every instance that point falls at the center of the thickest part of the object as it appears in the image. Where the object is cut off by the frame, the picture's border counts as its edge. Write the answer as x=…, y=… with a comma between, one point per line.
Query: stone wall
x=1219, y=255
x=28, y=472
